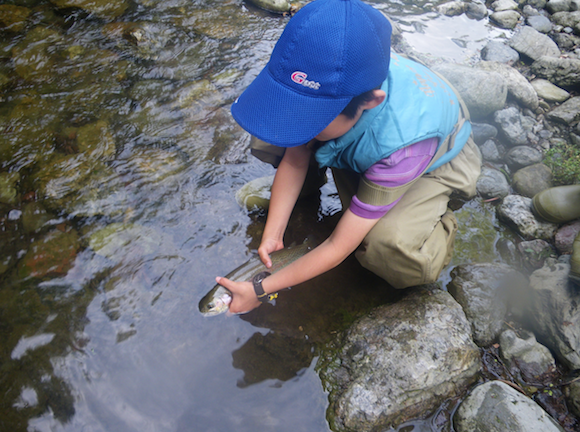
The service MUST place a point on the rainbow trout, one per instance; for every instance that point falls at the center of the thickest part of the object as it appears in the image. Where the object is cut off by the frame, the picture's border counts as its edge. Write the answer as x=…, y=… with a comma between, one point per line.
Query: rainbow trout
x=219, y=298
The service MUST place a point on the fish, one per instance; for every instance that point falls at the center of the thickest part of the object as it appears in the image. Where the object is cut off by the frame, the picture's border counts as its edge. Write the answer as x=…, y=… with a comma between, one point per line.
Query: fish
x=218, y=299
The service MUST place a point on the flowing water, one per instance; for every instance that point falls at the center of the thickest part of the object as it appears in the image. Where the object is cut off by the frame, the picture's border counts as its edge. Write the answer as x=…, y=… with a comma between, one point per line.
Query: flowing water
x=120, y=164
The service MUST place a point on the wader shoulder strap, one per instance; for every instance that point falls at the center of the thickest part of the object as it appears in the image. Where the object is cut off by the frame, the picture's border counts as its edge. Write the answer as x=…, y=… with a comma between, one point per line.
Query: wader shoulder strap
x=376, y=195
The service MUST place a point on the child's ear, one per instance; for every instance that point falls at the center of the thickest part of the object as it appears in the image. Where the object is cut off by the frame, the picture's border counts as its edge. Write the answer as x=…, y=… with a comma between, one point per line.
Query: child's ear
x=379, y=96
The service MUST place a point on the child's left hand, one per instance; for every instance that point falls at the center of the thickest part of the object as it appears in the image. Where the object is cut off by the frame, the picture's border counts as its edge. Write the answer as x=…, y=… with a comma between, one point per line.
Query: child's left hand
x=243, y=295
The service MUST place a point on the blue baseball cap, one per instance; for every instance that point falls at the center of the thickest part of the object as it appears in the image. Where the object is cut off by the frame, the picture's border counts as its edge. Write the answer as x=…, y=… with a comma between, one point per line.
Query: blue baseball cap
x=329, y=52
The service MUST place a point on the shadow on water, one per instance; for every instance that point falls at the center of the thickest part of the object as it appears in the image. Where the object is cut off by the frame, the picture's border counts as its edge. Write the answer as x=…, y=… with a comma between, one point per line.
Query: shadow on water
x=119, y=163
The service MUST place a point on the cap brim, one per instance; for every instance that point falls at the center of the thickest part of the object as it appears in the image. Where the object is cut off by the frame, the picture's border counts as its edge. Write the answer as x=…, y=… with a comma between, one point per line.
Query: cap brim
x=280, y=116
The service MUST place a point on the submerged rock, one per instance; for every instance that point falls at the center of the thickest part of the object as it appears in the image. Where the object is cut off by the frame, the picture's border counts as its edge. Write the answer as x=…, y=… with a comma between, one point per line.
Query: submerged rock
x=399, y=362
x=52, y=255
x=279, y=6
x=497, y=407
x=13, y=18
x=8, y=187
x=102, y=8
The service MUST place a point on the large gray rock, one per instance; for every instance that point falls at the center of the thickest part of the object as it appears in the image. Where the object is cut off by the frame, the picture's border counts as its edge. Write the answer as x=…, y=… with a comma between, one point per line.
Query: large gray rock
x=548, y=91
x=532, y=179
x=563, y=72
x=483, y=290
x=517, y=128
x=497, y=407
x=567, y=113
x=566, y=19
x=516, y=211
x=522, y=156
x=492, y=183
x=483, y=92
x=555, y=311
x=518, y=86
x=533, y=44
x=499, y=52
x=399, y=362
x=507, y=19
x=554, y=6
x=526, y=354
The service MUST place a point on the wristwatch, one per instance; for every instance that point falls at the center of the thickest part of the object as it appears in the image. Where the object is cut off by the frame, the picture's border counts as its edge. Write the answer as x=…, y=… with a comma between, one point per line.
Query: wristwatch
x=259, y=289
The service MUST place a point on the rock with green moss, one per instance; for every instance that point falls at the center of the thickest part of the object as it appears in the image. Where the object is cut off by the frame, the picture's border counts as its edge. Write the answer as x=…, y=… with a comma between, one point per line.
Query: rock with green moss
x=35, y=56
x=51, y=255
x=13, y=18
x=34, y=217
x=107, y=9
x=9, y=188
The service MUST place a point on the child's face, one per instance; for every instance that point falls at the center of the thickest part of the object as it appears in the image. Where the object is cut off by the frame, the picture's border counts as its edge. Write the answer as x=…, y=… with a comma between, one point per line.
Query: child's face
x=338, y=127
x=342, y=124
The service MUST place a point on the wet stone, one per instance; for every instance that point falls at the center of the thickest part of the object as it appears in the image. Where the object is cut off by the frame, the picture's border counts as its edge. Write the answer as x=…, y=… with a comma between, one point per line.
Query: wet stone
x=563, y=72
x=516, y=211
x=490, y=152
x=518, y=86
x=35, y=56
x=51, y=255
x=535, y=252
x=9, y=188
x=495, y=406
x=555, y=311
x=507, y=19
x=540, y=23
x=13, y=18
x=492, y=183
x=567, y=113
x=533, y=44
x=108, y=9
x=483, y=291
x=523, y=156
x=548, y=91
x=564, y=238
x=34, y=217
x=499, y=52
x=398, y=362
x=526, y=354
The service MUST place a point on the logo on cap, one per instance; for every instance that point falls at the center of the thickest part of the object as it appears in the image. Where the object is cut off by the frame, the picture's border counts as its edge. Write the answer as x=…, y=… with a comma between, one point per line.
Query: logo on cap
x=300, y=78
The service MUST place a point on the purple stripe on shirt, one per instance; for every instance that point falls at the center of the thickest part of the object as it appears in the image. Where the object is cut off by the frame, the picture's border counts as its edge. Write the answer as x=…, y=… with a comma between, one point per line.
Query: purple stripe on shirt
x=398, y=169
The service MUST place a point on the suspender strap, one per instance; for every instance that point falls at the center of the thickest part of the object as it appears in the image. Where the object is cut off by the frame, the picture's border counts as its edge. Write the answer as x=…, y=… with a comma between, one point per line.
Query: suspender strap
x=376, y=195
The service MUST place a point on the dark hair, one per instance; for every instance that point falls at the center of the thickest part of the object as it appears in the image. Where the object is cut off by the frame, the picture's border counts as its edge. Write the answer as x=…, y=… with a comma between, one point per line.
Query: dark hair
x=352, y=108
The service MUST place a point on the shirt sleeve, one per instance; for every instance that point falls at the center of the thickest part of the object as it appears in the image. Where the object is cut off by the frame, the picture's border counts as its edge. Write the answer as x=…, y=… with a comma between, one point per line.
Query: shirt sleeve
x=399, y=168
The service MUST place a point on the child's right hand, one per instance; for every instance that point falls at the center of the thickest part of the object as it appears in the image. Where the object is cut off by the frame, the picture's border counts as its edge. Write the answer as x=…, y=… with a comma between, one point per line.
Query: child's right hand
x=267, y=247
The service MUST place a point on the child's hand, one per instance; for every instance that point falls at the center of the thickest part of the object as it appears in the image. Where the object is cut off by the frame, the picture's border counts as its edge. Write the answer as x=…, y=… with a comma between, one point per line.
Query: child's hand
x=243, y=295
x=266, y=248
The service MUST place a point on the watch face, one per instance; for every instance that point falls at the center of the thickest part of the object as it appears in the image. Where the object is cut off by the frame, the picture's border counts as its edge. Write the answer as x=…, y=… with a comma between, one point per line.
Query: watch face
x=260, y=277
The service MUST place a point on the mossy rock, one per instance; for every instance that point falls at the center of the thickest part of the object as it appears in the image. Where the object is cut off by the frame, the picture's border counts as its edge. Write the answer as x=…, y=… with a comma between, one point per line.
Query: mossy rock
x=13, y=18
x=51, y=255
x=107, y=9
x=9, y=188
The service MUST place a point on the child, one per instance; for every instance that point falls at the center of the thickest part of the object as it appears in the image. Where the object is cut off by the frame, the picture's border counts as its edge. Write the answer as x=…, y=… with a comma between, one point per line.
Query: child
x=394, y=133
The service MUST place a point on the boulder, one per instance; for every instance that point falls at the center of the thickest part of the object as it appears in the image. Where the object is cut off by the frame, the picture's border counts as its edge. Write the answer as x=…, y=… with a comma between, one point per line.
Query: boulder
x=498, y=407
x=399, y=362
x=482, y=91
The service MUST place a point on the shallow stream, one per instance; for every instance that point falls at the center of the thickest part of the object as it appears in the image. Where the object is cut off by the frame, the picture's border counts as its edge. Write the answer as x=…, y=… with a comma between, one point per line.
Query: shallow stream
x=119, y=168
